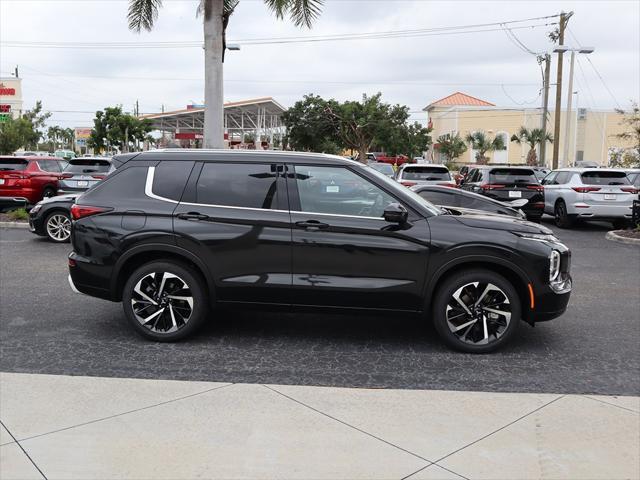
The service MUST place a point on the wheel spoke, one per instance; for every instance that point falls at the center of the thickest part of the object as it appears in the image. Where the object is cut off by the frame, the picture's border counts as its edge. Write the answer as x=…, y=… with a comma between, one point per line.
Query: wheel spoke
x=456, y=297
x=506, y=315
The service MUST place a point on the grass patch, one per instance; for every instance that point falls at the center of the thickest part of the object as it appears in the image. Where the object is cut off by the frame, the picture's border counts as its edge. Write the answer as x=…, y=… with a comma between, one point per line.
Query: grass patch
x=17, y=215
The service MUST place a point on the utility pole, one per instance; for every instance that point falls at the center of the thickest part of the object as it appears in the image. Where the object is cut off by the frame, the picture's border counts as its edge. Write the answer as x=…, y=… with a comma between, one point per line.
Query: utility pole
x=17, y=73
x=564, y=19
x=545, y=108
x=567, y=122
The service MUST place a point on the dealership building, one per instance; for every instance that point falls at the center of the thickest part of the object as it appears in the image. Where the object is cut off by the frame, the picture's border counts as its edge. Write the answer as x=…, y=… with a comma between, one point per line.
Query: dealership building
x=10, y=97
x=255, y=123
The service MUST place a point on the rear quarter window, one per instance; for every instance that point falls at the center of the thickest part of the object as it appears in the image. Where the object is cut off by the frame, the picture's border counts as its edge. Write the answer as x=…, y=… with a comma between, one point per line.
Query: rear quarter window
x=120, y=184
x=170, y=179
x=605, y=178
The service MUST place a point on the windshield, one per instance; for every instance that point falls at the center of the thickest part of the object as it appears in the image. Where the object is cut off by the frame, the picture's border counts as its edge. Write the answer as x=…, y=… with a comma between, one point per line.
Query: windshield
x=13, y=164
x=400, y=190
x=512, y=175
x=87, y=166
x=426, y=173
x=599, y=177
x=385, y=168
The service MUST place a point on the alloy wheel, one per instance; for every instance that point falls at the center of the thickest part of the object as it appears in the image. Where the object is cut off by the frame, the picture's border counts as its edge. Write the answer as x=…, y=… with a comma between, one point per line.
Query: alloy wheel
x=478, y=313
x=59, y=227
x=162, y=302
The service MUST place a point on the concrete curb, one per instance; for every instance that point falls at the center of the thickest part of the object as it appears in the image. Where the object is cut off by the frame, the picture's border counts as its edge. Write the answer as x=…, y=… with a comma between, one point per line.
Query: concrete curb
x=14, y=225
x=614, y=237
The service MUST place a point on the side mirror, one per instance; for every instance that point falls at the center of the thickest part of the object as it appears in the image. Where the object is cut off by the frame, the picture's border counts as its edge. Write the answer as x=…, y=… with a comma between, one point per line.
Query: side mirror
x=395, y=213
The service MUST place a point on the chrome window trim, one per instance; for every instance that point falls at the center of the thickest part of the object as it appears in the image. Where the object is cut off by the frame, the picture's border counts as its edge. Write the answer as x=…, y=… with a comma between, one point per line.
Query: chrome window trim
x=148, y=190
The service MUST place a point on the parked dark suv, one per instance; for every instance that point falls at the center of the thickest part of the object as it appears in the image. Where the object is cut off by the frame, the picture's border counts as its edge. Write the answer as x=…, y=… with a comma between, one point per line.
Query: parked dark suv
x=173, y=232
x=506, y=183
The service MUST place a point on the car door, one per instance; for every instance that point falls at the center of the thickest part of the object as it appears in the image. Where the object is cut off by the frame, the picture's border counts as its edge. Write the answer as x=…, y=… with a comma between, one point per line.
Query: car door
x=235, y=216
x=550, y=191
x=344, y=253
x=46, y=175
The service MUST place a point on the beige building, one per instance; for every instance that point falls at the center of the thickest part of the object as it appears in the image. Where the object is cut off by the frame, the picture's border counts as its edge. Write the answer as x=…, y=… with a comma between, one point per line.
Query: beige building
x=593, y=132
x=10, y=97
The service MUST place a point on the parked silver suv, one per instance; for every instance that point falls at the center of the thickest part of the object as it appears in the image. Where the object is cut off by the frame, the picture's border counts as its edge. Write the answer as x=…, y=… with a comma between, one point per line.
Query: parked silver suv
x=589, y=194
x=411, y=174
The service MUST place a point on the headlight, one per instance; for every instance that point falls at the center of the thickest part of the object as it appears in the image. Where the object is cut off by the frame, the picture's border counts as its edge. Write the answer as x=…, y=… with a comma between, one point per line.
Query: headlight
x=36, y=208
x=554, y=265
x=540, y=237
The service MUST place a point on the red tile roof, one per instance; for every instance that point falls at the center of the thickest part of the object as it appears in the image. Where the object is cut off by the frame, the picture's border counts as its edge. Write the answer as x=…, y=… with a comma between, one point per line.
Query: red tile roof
x=461, y=99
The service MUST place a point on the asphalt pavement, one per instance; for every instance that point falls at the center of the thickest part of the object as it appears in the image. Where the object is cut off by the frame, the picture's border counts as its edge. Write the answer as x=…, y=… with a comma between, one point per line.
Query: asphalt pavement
x=591, y=349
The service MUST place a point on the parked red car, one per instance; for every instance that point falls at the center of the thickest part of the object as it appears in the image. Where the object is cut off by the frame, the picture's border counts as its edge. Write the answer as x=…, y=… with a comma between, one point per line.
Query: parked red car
x=28, y=179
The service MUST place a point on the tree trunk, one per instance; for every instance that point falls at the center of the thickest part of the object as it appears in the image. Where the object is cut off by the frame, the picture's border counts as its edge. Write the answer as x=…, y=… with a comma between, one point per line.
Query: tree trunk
x=213, y=75
x=362, y=154
x=532, y=158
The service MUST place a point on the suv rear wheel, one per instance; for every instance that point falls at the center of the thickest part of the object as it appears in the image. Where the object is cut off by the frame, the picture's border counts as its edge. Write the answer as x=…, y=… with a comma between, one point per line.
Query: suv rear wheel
x=562, y=218
x=476, y=311
x=165, y=301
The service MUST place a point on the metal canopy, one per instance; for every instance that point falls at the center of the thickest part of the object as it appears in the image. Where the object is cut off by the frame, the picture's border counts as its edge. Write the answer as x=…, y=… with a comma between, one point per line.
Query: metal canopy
x=258, y=118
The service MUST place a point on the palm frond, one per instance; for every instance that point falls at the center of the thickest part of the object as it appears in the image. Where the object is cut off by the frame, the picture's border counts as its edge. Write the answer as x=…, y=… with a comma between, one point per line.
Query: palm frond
x=302, y=12
x=143, y=14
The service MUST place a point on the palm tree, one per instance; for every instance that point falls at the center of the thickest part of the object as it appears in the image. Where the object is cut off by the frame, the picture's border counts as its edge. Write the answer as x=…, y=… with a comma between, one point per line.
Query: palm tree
x=532, y=137
x=451, y=146
x=53, y=134
x=216, y=13
x=481, y=143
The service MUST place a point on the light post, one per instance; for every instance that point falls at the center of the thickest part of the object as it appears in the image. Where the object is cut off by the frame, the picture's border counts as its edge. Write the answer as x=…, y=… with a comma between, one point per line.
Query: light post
x=567, y=127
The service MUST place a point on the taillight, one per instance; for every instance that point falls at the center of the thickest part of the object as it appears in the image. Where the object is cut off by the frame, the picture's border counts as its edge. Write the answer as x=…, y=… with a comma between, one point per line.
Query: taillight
x=408, y=184
x=585, y=189
x=537, y=188
x=447, y=184
x=98, y=177
x=629, y=190
x=66, y=175
x=491, y=186
x=81, y=211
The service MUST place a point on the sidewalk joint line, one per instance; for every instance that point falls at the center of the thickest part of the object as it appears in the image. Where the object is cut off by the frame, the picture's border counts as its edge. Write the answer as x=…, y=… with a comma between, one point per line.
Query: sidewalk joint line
x=501, y=428
x=126, y=413
x=348, y=425
x=431, y=464
x=23, y=450
x=611, y=404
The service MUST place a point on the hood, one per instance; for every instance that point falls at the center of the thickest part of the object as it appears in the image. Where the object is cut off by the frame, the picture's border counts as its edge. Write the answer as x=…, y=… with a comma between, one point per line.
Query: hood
x=60, y=198
x=502, y=222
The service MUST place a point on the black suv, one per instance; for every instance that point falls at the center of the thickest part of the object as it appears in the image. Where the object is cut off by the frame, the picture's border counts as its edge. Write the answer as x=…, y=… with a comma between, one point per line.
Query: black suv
x=507, y=183
x=172, y=233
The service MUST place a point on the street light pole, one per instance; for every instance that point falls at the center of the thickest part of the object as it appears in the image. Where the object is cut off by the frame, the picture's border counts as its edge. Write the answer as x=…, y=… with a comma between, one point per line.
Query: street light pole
x=545, y=108
x=564, y=162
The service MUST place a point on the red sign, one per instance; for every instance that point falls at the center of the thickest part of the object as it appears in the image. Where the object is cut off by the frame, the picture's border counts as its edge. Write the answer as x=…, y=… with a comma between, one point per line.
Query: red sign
x=5, y=108
x=189, y=136
x=6, y=90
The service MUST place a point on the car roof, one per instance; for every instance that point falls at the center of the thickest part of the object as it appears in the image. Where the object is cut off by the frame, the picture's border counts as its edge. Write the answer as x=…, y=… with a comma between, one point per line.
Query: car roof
x=191, y=154
x=514, y=167
x=27, y=157
x=423, y=165
x=589, y=169
x=84, y=159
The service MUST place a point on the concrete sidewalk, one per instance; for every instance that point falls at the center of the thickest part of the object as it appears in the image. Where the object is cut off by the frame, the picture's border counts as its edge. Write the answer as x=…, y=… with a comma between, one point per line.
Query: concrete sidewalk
x=61, y=427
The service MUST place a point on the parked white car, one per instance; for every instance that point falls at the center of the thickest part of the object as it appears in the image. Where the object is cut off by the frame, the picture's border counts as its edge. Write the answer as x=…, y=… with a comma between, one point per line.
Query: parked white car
x=589, y=194
x=410, y=174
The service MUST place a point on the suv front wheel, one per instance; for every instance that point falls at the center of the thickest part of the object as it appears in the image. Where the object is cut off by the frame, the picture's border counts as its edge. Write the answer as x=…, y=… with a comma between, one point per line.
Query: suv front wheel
x=476, y=311
x=165, y=301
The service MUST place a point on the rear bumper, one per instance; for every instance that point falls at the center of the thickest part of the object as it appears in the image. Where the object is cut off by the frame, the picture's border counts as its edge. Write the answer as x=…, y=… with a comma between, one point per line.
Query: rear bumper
x=88, y=277
x=70, y=190
x=602, y=212
x=31, y=195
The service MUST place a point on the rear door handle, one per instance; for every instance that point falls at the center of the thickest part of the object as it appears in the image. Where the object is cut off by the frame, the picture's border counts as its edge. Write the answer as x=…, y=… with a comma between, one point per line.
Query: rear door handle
x=192, y=216
x=312, y=225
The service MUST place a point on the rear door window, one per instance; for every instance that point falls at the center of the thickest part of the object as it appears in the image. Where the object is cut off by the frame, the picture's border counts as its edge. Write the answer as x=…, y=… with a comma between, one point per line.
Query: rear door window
x=15, y=164
x=512, y=176
x=426, y=173
x=249, y=185
x=604, y=178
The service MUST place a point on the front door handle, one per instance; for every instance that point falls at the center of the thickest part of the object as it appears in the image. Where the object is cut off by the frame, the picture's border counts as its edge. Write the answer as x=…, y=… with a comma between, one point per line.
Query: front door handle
x=312, y=225
x=192, y=216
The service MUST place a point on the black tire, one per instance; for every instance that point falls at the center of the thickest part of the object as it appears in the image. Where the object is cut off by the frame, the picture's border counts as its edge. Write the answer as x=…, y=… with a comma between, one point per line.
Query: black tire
x=500, y=328
x=162, y=330
x=57, y=227
x=620, y=224
x=562, y=218
x=49, y=192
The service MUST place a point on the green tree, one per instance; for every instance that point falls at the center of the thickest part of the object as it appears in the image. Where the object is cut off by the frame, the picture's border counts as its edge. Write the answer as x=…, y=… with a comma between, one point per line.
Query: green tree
x=451, y=146
x=54, y=135
x=216, y=14
x=310, y=128
x=113, y=128
x=631, y=120
x=14, y=133
x=532, y=137
x=482, y=144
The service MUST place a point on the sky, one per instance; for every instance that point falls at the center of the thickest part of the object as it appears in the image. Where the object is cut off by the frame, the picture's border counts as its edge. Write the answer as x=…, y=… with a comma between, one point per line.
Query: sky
x=73, y=83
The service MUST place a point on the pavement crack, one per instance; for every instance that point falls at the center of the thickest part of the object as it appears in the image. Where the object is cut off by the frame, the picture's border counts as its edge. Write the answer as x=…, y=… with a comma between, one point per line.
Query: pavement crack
x=349, y=425
x=127, y=412
x=611, y=404
x=23, y=450
x=501, y=428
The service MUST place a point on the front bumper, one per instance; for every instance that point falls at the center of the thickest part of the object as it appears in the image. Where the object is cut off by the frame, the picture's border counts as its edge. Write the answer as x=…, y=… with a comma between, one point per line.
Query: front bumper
x=13, y=202
x=549, y=304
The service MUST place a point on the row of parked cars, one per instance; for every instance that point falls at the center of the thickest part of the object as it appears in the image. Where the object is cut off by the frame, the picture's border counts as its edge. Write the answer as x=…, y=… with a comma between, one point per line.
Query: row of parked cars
x=569, y=194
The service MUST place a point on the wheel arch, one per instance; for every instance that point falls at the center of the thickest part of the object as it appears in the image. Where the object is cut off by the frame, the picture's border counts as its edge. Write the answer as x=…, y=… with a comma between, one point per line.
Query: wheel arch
x=509, y=270
x=142, y=254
